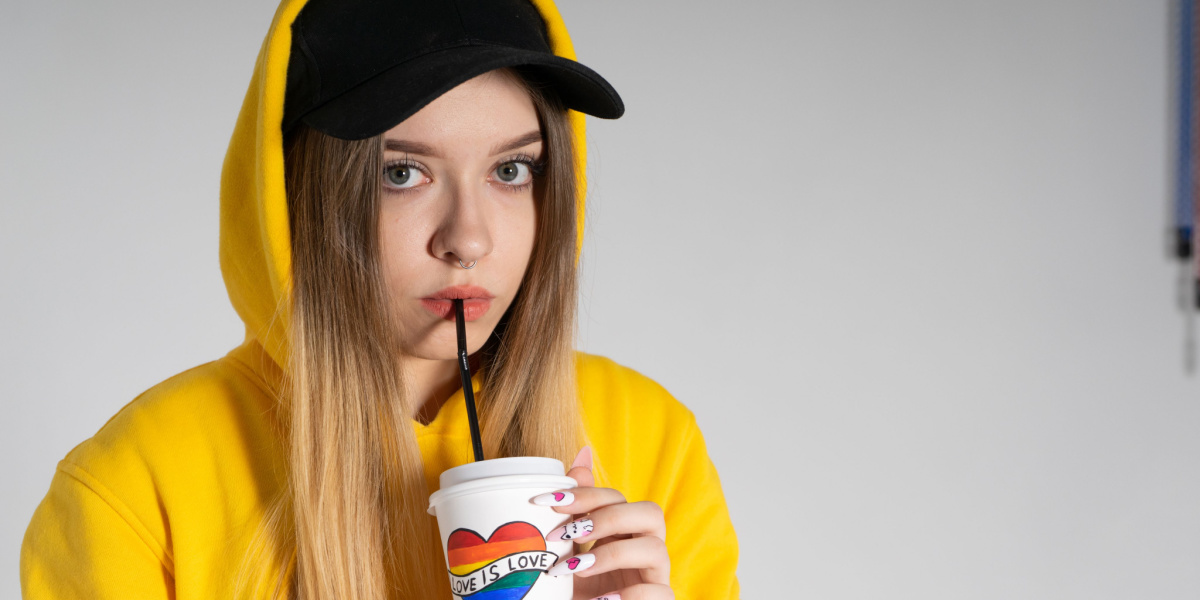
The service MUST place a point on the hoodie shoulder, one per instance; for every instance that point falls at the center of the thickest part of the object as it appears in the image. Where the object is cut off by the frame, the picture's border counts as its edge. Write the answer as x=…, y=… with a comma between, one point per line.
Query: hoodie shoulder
x=204, y=409
x=169, y=491
x=609, y=388
x=629, y=417
x=193, y=457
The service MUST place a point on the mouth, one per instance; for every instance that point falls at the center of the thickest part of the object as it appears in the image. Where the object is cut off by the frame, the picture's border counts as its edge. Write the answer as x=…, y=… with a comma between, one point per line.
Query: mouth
x=476, y=302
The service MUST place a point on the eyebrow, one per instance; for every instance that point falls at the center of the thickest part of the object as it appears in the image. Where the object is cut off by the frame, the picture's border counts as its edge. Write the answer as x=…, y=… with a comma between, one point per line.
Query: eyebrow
x=409, y=147
x=524, y=140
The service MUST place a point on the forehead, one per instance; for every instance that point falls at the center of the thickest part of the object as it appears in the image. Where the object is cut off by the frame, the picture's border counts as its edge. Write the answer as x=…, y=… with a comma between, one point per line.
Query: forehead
x=489, y=108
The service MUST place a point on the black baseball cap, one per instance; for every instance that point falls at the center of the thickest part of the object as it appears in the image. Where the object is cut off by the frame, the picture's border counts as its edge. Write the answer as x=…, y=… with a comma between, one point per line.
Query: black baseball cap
x=359, y=67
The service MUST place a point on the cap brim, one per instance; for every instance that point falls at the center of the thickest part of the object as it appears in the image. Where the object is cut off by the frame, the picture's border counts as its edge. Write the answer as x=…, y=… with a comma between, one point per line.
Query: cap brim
x=382, y=102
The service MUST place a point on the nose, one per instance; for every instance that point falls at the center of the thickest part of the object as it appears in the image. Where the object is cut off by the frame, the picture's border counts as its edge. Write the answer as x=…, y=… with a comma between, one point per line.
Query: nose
x=465, y=231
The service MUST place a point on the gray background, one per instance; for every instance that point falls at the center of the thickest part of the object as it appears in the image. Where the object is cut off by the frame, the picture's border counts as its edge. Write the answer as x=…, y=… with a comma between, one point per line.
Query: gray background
x=904, y=260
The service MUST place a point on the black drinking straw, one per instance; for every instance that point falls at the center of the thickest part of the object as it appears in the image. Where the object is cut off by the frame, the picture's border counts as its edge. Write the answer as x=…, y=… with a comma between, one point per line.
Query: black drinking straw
x=464, y=369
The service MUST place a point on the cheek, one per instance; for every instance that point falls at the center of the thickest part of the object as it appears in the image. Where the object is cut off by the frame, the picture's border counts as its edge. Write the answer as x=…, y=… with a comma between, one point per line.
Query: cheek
x=524, y=233
x=402, y=251
x=531, y=226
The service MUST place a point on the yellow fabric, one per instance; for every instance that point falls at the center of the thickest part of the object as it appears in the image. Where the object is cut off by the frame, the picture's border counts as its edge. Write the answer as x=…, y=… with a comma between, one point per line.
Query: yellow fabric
x=165, y=500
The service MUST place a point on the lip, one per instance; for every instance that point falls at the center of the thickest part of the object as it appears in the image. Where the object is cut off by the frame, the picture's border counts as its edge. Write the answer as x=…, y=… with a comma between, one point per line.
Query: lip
x=476, y=301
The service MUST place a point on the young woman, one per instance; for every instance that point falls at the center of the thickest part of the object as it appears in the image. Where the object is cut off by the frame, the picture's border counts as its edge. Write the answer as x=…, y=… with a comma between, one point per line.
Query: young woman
x=390, y=157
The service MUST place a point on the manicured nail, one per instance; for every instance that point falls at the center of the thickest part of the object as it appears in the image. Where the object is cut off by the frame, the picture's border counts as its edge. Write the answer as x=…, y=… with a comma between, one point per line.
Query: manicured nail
x=574, y=564
x=554, y=499
x=571, y=531
x=608, y=597
x=583, y=459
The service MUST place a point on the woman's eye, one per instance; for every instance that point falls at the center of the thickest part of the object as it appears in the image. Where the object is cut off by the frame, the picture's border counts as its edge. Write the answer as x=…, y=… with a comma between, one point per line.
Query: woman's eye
x=402, y=176
x=514, y=173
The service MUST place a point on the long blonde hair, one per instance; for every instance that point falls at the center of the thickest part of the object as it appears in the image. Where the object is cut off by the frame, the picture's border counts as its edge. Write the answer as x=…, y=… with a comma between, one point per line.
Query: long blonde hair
x=351, y=523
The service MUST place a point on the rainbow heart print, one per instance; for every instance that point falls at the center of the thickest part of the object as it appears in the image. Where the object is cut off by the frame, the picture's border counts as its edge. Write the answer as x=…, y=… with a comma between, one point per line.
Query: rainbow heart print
x=502, y=567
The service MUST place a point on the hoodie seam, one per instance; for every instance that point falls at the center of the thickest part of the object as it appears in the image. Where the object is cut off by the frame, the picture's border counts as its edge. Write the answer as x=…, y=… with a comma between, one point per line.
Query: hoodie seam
x=248, y=372
x=93, y=485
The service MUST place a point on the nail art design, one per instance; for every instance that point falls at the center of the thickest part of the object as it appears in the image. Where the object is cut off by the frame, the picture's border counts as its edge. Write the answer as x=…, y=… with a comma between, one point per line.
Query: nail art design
x=608, y=597
x=571, y=531
x=574, y=564
x=554, y=499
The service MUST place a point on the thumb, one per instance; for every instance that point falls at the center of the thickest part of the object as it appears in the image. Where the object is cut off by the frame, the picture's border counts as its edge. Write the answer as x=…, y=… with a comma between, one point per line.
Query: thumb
x=581, y=468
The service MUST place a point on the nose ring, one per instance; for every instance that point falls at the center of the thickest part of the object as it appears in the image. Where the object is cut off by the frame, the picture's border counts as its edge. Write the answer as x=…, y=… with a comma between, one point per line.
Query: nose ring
x=460, y=263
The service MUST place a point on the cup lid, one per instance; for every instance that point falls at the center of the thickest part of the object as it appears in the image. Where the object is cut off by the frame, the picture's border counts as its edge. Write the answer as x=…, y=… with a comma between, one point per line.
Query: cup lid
x=498, y=467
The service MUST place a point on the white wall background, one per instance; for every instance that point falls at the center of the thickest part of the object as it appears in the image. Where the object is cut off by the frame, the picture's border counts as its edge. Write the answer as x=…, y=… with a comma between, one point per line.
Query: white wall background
x=905, y=261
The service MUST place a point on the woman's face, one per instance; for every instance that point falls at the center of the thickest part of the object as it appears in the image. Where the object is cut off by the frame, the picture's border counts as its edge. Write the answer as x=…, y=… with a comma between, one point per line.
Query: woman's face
x=458, y=186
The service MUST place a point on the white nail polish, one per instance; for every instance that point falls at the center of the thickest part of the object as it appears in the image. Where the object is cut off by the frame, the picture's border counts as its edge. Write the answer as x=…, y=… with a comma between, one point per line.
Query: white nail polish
x=576, y=529
x=555, y=499
x=574, y=564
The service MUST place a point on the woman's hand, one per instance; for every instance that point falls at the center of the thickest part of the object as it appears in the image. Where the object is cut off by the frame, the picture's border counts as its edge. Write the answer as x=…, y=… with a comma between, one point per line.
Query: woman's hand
x=629, y=560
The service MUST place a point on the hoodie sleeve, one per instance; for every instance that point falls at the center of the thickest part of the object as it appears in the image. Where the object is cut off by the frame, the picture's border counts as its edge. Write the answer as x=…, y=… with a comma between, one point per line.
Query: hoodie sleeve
x=83, y=542
x=700, y=535
x=649, y=447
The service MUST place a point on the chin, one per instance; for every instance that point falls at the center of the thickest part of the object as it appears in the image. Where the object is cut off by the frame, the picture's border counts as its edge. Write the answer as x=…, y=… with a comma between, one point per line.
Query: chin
x=446, y=353
x=442, y=343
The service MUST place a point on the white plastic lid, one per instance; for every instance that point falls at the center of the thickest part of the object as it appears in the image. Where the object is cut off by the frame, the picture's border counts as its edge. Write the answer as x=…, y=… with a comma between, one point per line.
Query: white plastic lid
x=498, y=467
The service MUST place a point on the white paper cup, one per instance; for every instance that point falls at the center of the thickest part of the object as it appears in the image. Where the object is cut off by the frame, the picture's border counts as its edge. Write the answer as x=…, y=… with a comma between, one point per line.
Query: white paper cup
x=493, y=537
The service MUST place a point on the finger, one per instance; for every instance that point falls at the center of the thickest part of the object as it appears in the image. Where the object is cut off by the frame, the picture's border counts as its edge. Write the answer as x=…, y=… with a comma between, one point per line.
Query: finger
x=582, y=476
x=581, y=468
x=647, y=554
x=641, y=591
x=636, y=518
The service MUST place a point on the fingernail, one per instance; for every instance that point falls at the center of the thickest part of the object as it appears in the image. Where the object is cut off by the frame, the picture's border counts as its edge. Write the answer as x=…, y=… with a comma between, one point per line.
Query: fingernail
x=554, y=499
x=574, y=564
x=608, y=597
x=571, y=531
x=584, y=458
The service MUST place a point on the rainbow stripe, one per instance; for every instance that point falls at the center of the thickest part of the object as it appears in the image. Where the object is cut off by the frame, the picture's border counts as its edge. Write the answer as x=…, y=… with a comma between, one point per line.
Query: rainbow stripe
x=512, y=587
x=467, y=551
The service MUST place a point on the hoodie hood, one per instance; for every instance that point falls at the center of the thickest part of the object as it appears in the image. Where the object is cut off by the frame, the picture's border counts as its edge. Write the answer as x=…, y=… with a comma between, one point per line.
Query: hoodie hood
x=256, y=258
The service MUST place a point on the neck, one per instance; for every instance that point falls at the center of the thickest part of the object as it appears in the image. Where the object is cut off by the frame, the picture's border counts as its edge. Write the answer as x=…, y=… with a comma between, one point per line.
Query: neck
x=431, y=382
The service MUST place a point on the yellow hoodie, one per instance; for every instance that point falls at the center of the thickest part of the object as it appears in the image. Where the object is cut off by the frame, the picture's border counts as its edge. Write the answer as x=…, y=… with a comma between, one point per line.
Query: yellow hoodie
x=165, y=500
